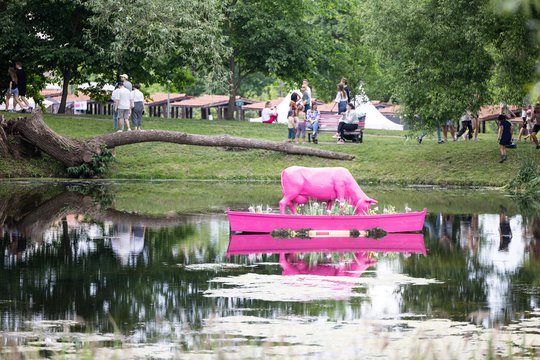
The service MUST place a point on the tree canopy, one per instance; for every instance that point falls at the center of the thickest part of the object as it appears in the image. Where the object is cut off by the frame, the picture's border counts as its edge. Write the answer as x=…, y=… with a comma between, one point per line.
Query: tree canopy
x=436, y=58
x=442, y=57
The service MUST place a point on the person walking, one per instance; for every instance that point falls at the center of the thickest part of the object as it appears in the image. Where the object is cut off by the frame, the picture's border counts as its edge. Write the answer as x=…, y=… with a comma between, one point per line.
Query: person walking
x=137, y=102
x=123, y=105
x=504, y=136
x=21, y=76
x=13, y=89
x=466, y=124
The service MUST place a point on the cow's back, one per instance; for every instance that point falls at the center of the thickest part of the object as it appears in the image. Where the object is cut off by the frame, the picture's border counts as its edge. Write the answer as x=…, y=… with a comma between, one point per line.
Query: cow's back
x=314, y=181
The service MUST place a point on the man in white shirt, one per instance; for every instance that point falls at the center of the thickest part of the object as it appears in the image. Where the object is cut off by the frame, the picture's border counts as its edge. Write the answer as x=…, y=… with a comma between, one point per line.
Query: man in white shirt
x=123, y=105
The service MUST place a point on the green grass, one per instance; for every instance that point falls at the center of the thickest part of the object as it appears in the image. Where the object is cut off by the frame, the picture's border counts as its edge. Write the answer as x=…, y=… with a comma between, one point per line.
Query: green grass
x=384, y=157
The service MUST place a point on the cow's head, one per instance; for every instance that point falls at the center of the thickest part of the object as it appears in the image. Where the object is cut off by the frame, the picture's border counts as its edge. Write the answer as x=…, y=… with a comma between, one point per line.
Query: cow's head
x=363, y=205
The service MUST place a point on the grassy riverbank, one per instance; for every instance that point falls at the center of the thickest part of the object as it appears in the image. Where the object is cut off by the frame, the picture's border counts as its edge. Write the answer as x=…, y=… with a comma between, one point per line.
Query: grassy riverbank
x=384, y=157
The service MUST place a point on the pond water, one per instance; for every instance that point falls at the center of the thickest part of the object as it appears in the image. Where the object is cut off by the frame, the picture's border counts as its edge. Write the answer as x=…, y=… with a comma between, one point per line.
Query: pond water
x=149, y=270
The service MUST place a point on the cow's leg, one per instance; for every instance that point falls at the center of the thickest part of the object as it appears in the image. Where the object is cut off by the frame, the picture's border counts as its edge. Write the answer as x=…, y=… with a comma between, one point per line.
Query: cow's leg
x=341, y=191
x=287, y=200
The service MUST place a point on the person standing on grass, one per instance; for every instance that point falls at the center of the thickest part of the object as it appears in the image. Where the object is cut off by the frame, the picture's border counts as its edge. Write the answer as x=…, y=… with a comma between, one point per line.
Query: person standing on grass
x=449, y=127
x=475, y=118
x=301, y=124
x=536, y=128
x=137, y=102
x=21, y=76
x=123, y=105
x=341, y=99
x=306, y=98
x=313, y=116
x=504, y=135
x=293, y=104
x=291, y=126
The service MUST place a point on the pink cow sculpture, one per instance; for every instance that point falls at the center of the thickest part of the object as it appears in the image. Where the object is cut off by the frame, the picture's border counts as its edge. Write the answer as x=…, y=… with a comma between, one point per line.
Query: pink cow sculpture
x=299, y=184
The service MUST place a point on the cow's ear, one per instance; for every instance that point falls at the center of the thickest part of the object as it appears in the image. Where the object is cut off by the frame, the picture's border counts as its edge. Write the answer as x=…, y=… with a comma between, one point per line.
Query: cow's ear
x=372, y=202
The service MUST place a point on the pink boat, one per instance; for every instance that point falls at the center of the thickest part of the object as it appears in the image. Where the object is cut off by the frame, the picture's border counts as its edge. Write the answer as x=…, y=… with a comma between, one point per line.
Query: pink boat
x=266, y=244
x=266, y=223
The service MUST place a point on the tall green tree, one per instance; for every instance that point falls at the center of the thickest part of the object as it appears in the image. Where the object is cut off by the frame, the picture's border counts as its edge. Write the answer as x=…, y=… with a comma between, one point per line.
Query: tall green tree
x=267, y=36
x=157, y=40
x=433, y=53
x=78, y=40
x=339, y=49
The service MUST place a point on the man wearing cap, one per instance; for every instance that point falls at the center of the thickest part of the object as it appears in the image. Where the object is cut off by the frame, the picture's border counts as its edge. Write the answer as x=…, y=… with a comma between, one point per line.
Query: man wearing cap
x=127, y=84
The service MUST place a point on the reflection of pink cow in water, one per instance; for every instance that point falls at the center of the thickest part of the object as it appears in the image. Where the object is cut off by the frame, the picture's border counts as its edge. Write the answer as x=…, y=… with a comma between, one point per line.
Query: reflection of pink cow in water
x=299, y=184
x=293, y=265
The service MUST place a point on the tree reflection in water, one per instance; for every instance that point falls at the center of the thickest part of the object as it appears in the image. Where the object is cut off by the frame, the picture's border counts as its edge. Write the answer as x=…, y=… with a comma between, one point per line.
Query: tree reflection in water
x=74, y=255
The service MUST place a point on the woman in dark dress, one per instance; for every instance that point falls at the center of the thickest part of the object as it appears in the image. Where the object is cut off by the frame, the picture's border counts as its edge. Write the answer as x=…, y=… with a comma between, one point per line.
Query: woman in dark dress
x=505, y=135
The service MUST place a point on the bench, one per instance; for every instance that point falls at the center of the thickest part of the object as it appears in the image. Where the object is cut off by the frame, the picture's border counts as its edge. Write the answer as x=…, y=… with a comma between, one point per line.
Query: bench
x=329, y=122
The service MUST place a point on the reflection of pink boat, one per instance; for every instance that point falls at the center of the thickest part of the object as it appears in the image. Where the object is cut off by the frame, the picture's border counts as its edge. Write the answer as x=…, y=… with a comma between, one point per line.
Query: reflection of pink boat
x=266, y=223
x=265, y=243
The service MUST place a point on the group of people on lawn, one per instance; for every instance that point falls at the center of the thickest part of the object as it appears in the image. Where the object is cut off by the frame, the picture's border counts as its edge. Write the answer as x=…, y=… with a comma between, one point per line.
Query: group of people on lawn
x=128, y=100
x=303, y=114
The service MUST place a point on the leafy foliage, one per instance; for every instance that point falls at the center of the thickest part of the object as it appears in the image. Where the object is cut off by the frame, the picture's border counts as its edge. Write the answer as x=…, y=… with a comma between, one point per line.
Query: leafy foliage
x=442, y=57
x=97, y=167
x=525, y=187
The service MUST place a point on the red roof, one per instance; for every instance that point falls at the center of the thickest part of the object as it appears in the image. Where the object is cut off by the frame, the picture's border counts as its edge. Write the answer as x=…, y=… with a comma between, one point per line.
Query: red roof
x=50, y=92
x=491, y=112
x=71, y=97
x=260, y=105
x=204, y=101
x=159, y=98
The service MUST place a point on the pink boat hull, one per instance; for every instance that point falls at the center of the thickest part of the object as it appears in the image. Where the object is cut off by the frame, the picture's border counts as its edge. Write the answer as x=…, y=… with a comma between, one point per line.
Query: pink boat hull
x=266, y=223
x=266, y=244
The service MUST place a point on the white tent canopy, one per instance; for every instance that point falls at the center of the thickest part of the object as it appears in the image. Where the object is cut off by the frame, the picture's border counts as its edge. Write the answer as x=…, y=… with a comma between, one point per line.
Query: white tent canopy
x=374, y=118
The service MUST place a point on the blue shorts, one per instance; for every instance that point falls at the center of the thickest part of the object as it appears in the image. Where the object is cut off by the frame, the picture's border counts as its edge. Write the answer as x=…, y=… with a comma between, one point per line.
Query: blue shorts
x=342, y=107
x=15, y=92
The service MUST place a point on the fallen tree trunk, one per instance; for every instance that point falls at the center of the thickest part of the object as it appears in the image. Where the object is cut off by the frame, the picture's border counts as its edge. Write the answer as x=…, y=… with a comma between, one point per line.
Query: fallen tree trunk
x=75, y=153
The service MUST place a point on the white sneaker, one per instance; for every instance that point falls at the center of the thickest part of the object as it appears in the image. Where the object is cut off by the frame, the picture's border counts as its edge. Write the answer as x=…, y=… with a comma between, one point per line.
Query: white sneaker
x=120, y=130
x=129, y=129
